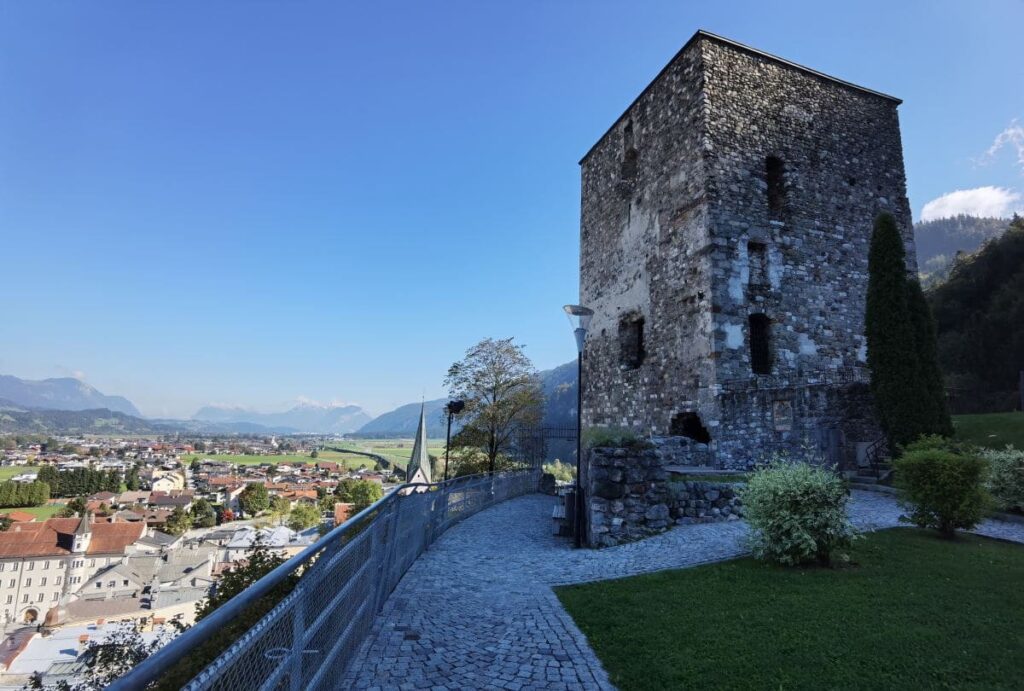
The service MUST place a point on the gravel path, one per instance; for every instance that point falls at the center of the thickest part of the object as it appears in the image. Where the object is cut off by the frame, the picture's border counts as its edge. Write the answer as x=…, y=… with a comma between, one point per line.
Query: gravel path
x=477, y=609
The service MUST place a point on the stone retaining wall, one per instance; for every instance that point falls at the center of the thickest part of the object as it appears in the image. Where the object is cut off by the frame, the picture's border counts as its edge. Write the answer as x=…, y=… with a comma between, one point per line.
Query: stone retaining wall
x=696, y=501
x=627, y=496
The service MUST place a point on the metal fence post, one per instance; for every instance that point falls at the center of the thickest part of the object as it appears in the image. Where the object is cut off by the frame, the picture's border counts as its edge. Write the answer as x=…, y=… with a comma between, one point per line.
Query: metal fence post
x=298, y=640
x=386, y=558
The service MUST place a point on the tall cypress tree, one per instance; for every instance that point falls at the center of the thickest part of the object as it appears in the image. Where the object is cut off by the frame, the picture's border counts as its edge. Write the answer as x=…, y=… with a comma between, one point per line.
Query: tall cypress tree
x=895, y=372
x=928, y=360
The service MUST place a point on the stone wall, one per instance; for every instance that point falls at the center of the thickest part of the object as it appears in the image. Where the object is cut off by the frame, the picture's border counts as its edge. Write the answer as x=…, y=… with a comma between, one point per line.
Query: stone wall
x=697, y=501
x=686, y=229
x=627, y=496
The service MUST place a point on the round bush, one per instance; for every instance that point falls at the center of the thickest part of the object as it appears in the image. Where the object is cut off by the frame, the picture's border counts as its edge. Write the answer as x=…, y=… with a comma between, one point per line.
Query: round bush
x=1006, y=477
x=941, y=487
x=797, y=513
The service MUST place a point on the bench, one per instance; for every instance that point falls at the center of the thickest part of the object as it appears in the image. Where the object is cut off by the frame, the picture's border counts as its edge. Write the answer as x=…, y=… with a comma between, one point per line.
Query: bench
x=558, y=516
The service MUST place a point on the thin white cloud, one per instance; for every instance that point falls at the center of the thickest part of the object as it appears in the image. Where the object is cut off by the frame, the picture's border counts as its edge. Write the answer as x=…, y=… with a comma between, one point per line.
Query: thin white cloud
x=73, y=373
x=1000, y=202
x=1012, y=137
x=333, y=403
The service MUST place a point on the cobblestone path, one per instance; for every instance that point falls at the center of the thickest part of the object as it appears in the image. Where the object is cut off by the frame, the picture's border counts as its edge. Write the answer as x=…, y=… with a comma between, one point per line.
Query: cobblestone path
x=477, y=609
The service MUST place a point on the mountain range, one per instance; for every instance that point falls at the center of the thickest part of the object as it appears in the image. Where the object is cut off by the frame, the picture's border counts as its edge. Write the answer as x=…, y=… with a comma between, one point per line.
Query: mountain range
x=63, y=393
x=305, y=418
x=558, y=385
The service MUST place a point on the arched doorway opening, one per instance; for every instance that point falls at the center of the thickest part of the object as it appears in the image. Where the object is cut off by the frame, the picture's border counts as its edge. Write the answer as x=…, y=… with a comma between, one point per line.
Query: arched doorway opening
x=31, y=615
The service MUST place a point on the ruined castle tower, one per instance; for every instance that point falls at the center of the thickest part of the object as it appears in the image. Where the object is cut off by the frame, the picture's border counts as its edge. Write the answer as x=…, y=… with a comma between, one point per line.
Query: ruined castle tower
x=725, y=225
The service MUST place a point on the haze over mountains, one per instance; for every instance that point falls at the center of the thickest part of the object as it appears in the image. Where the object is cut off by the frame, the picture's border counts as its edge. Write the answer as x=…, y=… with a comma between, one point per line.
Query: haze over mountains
x=304, y=418
x=64, y=393
x=74, y=407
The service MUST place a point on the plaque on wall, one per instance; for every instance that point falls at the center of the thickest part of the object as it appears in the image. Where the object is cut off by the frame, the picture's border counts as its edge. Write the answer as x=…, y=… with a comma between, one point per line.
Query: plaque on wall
x=782, y=415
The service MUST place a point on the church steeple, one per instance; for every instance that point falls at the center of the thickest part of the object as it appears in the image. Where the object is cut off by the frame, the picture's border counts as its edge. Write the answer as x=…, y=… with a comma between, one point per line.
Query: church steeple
x=83, y=535
x=419, y=463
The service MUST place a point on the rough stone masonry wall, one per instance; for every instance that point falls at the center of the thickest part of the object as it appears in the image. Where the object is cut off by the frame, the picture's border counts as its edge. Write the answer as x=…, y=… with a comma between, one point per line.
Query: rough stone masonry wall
x=643, y=253
x=843, y=164
x=677, y=228
x=628, y=496
x=697, y=501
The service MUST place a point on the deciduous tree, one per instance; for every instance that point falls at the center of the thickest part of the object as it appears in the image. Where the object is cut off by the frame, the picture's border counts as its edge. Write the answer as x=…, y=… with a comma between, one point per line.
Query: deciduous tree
x=303, y=516
x=500, y=387
x=254, y=499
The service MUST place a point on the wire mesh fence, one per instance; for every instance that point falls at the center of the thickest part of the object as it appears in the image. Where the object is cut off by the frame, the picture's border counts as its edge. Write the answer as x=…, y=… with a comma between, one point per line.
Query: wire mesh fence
x=309, y=638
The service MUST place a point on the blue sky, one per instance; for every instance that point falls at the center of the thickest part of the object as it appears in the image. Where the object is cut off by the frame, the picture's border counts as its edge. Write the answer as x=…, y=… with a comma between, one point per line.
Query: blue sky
x=254, y=202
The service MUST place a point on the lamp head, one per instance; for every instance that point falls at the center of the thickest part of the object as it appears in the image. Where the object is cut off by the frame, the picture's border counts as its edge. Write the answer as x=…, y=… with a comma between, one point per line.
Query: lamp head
x=579, y=317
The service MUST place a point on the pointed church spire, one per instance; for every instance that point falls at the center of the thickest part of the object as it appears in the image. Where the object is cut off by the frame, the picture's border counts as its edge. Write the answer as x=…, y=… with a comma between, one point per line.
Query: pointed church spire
x=419, y=463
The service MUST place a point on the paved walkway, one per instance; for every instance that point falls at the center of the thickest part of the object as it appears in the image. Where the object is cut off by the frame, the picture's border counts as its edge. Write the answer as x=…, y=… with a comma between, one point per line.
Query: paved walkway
x=477, y=610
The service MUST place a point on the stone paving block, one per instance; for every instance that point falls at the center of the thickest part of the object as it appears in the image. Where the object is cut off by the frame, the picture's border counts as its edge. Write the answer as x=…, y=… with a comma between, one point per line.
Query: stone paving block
x=481, y=600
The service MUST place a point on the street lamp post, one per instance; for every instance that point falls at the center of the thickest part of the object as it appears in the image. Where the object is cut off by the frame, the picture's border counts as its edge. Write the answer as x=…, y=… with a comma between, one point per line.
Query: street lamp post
x=452, y=408
x=579, y=318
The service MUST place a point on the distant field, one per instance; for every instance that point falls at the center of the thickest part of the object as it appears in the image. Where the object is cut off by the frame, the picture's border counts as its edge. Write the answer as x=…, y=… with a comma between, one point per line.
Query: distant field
x=994, y=430
x=351, y=461
x=242, y=459
x=7, y=472
x=40, y=512
x=397, y=451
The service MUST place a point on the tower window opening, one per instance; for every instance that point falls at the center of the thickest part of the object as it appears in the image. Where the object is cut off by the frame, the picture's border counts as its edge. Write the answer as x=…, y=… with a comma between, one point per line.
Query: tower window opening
x=689, y=425
x=631, y=341
x=760, y=344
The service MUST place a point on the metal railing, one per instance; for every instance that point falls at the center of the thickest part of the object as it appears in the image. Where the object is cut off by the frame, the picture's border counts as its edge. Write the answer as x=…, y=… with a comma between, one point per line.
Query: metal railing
x=309, y=638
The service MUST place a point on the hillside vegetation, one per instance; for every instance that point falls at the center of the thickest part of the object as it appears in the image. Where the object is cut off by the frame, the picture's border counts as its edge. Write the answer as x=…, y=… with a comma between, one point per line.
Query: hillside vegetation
x=939, y=241
x=979, y=315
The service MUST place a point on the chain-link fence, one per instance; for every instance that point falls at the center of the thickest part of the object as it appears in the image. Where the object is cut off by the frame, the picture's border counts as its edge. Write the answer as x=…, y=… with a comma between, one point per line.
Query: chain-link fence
x=308, y=639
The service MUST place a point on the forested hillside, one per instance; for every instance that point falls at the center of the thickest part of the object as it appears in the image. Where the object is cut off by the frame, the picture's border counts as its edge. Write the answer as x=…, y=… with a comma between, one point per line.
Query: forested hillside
x=979, y=314
x=939, y=241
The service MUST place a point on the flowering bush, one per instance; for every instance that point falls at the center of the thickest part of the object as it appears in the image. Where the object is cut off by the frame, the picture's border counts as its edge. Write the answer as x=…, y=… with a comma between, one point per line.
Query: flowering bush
x=1006, y=477
x=797, y=513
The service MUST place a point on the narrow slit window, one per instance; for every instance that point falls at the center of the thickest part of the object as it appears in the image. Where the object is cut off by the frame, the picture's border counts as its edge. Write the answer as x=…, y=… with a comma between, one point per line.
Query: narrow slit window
x=631, y=341
x=629, y=165
x=775, y=175
x=760, y=344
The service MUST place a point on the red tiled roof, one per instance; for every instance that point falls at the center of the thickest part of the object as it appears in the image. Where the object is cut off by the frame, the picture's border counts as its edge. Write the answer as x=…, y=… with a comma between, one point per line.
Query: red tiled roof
x=342, y=511
x=20, y=516
x=53, y=538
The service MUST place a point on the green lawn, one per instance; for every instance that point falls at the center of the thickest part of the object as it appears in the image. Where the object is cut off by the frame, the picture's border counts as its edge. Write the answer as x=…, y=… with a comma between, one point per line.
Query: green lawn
x=395, y=450
x=914, y=612
x=41, y=512
x=351, y=461
x=9, y=471
x=994, y=430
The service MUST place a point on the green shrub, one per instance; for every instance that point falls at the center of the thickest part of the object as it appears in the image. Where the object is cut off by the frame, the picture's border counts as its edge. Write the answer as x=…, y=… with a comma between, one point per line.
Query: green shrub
x=563, y=472
x=1006, y=477
x=616, y=438
x=797, y=513
x=941, y=487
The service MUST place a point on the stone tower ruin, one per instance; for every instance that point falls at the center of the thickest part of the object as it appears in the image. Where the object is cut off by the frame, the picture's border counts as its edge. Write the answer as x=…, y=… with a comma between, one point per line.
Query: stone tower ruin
x=726, y=217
